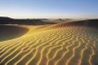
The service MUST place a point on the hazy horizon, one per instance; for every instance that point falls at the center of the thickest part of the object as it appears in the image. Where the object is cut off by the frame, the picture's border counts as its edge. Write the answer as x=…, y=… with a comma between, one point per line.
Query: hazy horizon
x=49, y=8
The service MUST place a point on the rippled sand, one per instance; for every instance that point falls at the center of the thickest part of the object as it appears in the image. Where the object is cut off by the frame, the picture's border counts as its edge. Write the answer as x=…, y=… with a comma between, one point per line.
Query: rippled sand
x=47, y=45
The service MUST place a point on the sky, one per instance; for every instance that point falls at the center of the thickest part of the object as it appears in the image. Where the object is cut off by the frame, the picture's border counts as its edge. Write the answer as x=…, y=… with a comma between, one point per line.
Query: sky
x=49, y=8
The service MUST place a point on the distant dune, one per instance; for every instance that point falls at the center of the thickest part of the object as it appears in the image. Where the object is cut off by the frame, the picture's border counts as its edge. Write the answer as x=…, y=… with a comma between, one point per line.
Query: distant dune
x=89, y=22
x=7, y=20
x=65, y=43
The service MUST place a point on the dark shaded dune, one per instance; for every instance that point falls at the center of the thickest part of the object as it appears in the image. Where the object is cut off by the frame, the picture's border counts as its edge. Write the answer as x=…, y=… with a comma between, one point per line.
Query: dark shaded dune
x=93, y=22
x=9, y=32
x=89, y=23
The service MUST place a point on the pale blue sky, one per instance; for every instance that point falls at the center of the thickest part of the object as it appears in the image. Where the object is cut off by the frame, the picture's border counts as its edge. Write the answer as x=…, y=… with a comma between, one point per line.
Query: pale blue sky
x=49, y=8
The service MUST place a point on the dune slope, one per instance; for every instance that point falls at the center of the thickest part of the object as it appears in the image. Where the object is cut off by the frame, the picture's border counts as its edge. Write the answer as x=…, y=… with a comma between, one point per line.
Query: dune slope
x=9, y=32
x=48, y=45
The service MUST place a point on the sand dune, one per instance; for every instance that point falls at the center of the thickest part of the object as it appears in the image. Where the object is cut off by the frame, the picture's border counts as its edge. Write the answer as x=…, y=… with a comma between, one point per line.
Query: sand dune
x=52, y=45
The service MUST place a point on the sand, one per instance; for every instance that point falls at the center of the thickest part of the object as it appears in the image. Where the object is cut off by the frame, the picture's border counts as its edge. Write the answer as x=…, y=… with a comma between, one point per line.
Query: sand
x=52, y=45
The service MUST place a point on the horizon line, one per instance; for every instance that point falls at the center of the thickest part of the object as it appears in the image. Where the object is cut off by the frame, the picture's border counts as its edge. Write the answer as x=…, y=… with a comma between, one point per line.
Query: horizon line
x=50, y=17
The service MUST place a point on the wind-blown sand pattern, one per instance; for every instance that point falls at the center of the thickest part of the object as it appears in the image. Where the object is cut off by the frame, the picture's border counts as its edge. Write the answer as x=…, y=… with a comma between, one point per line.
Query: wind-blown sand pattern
x=52, y=45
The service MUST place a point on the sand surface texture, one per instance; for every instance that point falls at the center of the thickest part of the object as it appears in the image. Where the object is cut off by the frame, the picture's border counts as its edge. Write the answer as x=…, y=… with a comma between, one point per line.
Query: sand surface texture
x=51, y=45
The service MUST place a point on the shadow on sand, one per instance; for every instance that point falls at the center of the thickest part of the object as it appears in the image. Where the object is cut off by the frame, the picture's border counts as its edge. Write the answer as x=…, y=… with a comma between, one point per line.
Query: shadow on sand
x=9, y=32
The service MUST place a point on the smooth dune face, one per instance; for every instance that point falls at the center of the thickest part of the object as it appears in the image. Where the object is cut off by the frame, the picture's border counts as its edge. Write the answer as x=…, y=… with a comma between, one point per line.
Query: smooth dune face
x=69, y=45
x=8, y=32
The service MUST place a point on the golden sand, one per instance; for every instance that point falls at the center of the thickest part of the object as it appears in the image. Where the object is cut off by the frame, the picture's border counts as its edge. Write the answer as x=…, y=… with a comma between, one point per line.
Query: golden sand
x=47, y=45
